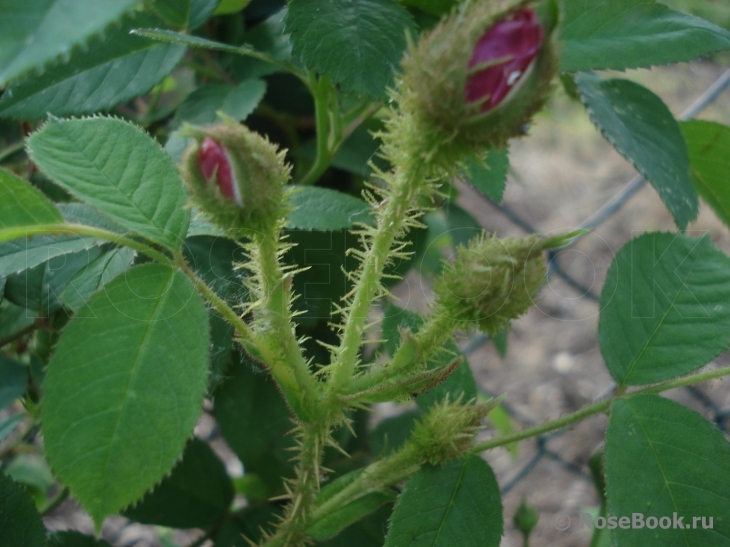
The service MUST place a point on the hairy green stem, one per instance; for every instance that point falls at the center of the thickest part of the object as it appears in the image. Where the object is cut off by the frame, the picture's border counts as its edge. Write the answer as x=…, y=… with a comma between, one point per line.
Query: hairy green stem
x=306, y=486
x=220, y=305
x=279, y=329
x=411, y=354
x=391, y=219
x=17, y=232
x=596, y=408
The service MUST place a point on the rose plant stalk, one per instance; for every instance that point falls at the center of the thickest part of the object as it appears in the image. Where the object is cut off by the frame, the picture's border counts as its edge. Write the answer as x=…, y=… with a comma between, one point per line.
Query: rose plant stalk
x=245, y=271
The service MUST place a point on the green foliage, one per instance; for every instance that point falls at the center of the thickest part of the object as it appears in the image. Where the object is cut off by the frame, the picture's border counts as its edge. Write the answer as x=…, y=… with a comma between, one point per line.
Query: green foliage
x=93, y=277
x=174, y=12
x=344, y=516
x=664, y=309
x=489, y=176
x=39, y=31
x=323, y=209
x=357, y=44
x=196, y=494
x=23, y=205
x=202, y=105
x=74, y=539
x=707, y=143
x=22, y=254
x=119, y=170
x=141, y=339
x=13, y=380
x=457, y=504
x=41, y=289
x=459, y=385
x=20, y=523
x=262, y=445
x=642, y=129
x=113, y=69
x=621, y=34
x=682, y=465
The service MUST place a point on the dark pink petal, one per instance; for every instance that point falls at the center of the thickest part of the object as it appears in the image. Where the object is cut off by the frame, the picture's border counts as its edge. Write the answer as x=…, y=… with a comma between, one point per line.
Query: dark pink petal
x=517, y=41
x=214, y=161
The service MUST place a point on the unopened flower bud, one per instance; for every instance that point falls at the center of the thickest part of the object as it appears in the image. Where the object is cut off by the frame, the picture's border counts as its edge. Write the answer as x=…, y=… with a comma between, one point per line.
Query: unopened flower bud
x=235, y=176
x=446, y=431
x=502, y=57
x=476, y=79
x=493, y=281
x=525, y=519
x=216, y=168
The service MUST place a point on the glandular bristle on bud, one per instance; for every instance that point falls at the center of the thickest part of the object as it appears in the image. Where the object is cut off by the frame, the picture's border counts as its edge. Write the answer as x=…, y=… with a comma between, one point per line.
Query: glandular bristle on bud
x=236, y=176
x=475, y=80
x=492, y=281
x=502, y=57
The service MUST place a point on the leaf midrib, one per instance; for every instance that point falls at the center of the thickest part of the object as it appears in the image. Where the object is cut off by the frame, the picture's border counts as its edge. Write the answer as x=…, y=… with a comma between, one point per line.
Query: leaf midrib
x=659, y=324
x=135, y=367
x=110, y=183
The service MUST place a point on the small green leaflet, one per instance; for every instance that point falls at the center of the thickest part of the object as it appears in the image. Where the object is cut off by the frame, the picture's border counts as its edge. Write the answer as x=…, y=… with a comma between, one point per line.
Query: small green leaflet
x=202, y=105
x=708, y=144
x=357, y=43
x=38, y=289
x=117, y=168
x=196, y=494
x=665, y=460
x=20, y=523
x=489, y=177
x=457, y=504
x=316, y=208
x=22, y=254
x=263, y=446
x=174, y=12
x=142, y=343
x=664, y=308
x=200, y=11
x=230, y=6
x=13, y=380
x=95, y=276
x=621, y=34
x=112, y=70
x=459, y=384
x=35, y=32
x=642, y=129
x=268, y=37
x=342, y=517
x=80, y=213
x=22, y=205
x=390, y=434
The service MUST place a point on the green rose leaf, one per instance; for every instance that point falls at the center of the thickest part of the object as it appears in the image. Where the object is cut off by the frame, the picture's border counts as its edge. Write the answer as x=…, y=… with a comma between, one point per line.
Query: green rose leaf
x=142, y=343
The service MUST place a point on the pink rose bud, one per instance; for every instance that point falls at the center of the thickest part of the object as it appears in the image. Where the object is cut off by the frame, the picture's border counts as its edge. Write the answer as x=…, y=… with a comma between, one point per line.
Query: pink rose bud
x=504, y=53
x=216, y=166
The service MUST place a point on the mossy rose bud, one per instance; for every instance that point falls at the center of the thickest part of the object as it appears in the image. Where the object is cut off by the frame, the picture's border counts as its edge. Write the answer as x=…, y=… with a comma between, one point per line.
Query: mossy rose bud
x=477, y=78
x=502, y=57
x=492, y=281
x=236, y=176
